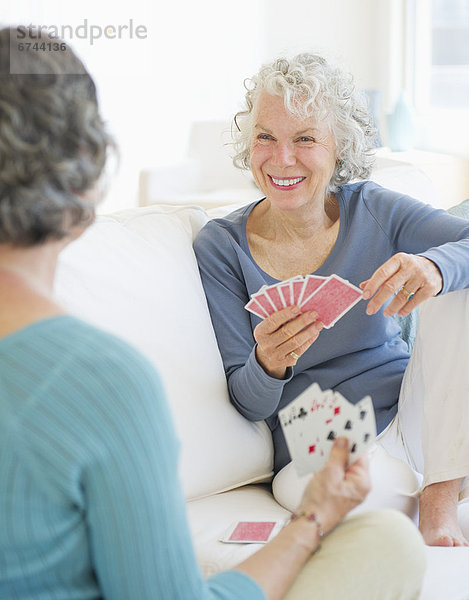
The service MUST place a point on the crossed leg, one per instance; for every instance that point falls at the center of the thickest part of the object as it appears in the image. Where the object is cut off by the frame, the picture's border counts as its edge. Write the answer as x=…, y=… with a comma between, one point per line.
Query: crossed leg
x=430, y=433
x=434, y=415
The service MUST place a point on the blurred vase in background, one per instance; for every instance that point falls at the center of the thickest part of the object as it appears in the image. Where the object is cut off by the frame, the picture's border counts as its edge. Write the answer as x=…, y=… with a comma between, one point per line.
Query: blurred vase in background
x=374, y=106
x=401, y=125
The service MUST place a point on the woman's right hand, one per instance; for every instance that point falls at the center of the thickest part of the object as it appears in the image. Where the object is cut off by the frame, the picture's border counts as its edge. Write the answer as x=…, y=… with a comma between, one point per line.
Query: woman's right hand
x=335, y=489
x=283, y=333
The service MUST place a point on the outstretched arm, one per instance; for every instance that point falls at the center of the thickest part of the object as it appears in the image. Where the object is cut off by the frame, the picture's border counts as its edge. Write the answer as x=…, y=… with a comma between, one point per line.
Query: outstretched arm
x=331, y=494
x=431, y=255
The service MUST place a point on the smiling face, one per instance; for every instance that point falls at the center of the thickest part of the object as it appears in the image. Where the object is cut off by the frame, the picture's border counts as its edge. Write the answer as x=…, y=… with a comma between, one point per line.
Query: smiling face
x=292, y=159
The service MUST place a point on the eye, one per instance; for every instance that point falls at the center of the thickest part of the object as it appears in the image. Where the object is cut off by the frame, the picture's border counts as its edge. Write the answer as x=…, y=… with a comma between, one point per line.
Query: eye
x=264, y=137
x=305, y=139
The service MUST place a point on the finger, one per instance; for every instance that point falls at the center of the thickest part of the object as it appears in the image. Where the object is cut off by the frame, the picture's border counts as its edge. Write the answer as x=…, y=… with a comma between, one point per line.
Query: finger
x=382, y=274
x=387, y=291
x=362, y=463
x=273, y=352
x=407, y=291
x=414, y=291
x=358, y=474
x=266, y=328
x=402, y=298
x=293, y=356
x=404, y=277
x=363, y=283
x=303, y=340
x=339, y=453
x=414, y=273
x=296, y=326
x=278, y=319
x=422, y=294
x=294, y=332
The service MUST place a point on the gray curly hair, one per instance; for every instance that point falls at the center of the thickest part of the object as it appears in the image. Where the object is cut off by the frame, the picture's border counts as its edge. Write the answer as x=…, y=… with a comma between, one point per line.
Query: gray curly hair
x=53, y=143
x=311, y=86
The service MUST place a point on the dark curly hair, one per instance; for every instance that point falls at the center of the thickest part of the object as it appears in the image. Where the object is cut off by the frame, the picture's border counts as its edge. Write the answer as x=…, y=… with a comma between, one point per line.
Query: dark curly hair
x=53, y=142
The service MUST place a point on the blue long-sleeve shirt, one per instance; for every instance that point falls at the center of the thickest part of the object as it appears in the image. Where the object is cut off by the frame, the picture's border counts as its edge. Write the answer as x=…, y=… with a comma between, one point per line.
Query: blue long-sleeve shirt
x=90, y=502
x=361, y=354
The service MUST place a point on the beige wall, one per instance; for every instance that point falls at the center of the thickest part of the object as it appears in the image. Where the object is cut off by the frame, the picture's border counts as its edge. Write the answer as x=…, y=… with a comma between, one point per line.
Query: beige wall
x=197, y=54
x=345, y=29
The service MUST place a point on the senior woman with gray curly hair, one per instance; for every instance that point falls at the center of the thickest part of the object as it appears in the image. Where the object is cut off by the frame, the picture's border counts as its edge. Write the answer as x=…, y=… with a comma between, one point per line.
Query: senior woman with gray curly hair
x=306, y=135
x=90, y=502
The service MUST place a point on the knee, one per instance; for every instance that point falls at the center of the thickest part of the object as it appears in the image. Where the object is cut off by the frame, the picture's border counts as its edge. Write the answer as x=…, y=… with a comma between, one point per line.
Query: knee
x=378, y=554
x=394, y=527
x=398, y=546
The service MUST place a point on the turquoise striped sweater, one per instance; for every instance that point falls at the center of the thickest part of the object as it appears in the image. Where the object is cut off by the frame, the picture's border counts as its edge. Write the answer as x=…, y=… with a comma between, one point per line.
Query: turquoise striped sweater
x=90, y=502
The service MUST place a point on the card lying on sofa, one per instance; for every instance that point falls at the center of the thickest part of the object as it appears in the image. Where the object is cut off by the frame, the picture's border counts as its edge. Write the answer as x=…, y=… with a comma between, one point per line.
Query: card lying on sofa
x=315, y=418
x=331, y=297
x=252, y=532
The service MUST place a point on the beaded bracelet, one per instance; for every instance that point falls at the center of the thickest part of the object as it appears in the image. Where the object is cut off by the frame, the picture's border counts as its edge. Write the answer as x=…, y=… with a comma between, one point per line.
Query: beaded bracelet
x=311, y=517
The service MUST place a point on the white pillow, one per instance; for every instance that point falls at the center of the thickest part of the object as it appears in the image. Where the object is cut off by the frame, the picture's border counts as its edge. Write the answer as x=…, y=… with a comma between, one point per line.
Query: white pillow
x=135, y=275
x=408, y=180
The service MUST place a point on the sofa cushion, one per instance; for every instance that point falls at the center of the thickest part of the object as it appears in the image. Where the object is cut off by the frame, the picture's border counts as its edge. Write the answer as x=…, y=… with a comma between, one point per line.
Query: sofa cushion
x=135, y=275
x=460, y=210
x=209, y=518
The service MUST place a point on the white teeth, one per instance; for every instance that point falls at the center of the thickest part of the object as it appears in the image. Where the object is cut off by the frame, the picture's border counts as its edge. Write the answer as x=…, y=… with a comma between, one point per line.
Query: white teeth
x=287, y=182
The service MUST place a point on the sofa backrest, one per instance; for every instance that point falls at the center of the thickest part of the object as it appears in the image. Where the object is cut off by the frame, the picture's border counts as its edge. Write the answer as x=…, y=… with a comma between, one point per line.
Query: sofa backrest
x=135, y=274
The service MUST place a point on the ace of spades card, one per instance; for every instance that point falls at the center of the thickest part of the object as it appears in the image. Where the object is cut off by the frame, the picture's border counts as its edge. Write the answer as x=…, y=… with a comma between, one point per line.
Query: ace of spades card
x=325, y=415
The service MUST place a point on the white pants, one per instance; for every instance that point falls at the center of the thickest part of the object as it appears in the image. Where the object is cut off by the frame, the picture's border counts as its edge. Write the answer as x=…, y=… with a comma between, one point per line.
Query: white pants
x=428, y=441
x=377, y=555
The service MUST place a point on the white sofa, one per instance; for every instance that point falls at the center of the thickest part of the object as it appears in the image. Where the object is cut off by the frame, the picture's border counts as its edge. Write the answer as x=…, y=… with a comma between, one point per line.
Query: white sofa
x=134, y=273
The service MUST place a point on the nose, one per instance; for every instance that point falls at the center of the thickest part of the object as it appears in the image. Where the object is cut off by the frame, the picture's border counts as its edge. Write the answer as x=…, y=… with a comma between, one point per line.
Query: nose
x=283, y=155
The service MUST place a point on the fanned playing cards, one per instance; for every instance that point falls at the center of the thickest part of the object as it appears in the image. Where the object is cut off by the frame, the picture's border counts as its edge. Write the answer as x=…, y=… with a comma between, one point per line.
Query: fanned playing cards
x=315, y=418
x=331, y=297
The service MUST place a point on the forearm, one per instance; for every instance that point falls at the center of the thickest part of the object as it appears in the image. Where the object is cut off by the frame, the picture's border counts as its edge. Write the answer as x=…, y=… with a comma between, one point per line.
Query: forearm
x=277, y=372
x=255, y=394
x=452, y=259
x=435, y=235
x=277, y=564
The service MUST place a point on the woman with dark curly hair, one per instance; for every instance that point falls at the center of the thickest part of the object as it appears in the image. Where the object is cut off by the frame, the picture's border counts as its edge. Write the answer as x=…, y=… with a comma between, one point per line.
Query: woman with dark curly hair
x=90, y=503
x=306, y=135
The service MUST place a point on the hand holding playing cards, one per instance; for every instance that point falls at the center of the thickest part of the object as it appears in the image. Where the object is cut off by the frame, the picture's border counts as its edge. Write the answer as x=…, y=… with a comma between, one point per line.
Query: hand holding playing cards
x=335, y=489
x=411, y=278
x=282, y=336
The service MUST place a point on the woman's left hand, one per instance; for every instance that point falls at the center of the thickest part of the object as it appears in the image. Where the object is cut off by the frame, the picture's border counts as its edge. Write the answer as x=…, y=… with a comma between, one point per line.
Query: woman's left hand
x=414, y=278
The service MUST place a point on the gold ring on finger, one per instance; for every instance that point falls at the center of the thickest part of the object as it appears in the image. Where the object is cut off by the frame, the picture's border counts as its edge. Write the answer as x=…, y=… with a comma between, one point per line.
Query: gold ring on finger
x=407, y=295
x=294, y=355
